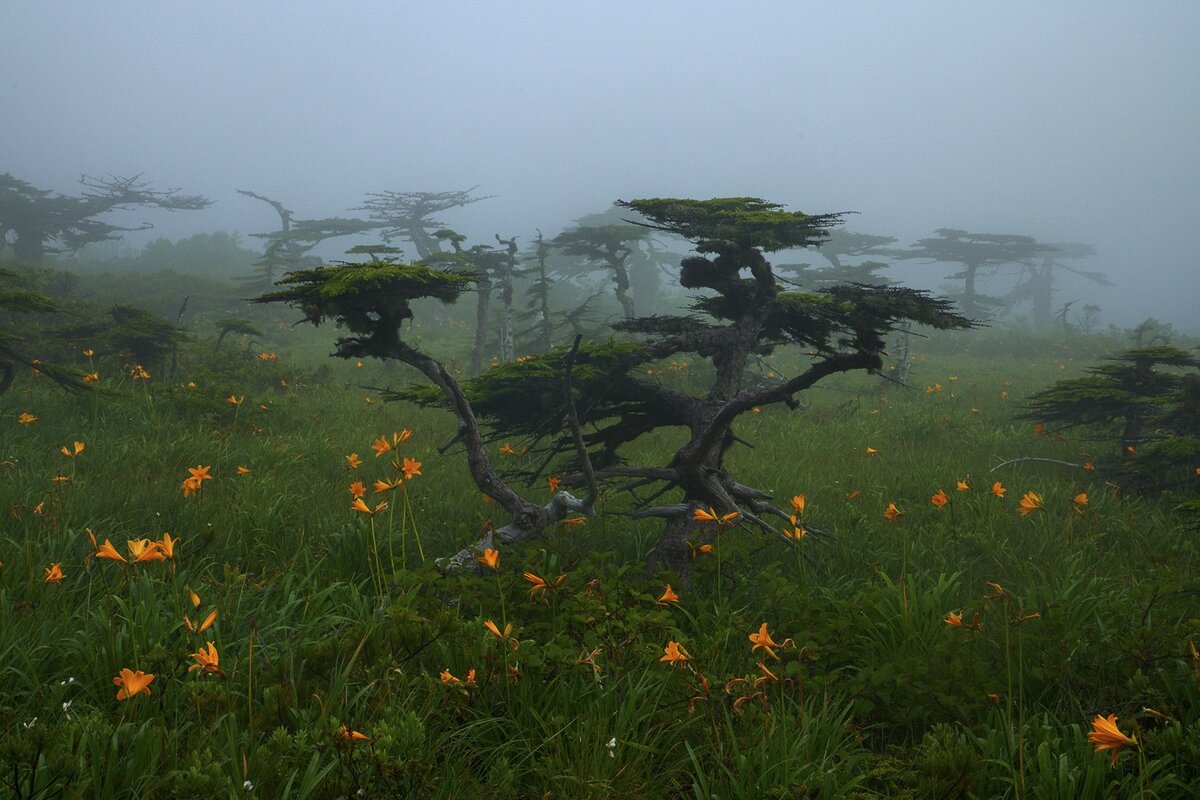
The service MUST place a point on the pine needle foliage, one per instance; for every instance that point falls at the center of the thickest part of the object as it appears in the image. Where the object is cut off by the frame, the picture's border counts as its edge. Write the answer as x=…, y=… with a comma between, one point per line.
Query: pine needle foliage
x=371, y=300
x=1145, y=401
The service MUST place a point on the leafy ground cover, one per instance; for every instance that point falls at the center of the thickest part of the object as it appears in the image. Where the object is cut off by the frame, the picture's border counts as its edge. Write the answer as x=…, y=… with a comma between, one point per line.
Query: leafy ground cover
x=957, y=634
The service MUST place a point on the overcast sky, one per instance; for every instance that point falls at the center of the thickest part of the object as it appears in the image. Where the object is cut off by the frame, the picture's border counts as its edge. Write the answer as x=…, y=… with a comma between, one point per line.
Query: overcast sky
x=1067, y=121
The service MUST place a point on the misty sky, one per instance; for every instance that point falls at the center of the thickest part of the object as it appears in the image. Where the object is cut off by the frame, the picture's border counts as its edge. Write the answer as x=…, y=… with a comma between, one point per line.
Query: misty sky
x=1068, y=121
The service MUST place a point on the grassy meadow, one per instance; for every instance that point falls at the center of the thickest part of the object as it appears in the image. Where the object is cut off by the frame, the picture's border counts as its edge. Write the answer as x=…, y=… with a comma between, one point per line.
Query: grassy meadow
x=955, y=650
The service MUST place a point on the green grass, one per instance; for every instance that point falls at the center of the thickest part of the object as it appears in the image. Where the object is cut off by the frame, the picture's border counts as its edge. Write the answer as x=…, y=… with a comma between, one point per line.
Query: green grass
x=875, y=697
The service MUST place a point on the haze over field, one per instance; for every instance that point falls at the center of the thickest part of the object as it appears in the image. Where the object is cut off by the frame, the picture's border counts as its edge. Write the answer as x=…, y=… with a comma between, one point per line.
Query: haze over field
x=1066, y=122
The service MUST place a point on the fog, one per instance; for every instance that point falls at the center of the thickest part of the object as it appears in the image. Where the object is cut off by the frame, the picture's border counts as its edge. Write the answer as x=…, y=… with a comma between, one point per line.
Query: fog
x=1066, y=121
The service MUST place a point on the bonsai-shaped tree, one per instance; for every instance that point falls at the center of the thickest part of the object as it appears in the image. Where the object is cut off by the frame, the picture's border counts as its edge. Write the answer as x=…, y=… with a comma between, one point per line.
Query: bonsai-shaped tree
x=980, y=254
x=35, y=221
x=142, y=337
x=745, y=313
x=607, y=246
x=410, y=215
x=1145, y=401
x=372, y=301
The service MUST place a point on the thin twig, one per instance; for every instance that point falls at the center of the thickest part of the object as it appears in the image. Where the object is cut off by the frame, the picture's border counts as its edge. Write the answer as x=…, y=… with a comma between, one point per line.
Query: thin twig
x=1035, y=458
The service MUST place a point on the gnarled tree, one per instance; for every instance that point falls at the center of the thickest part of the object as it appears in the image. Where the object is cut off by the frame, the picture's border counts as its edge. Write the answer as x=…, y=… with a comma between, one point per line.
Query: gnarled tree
x=746, y=312
x=372, y=301
x=35, y=221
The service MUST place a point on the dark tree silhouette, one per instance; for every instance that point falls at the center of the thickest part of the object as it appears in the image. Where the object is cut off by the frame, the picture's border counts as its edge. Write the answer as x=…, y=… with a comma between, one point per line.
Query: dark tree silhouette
x=410, y=216
x=35, y=222
x=22, y=303
x=606, y=247
x=745, y=313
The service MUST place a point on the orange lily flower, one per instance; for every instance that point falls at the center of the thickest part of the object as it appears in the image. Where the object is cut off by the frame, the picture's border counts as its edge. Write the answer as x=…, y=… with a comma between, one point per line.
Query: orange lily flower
x=448, y=677
x=763, y=639
x=26, y=418
x=167, y=545
x=554, y=484
x=385, y=486
x=234, y=400
x=997, y=589
x=357, y=490
x=195, y=598
x=998, y=489
x=797, y=532
x=940, y=499
x=798, y=503
x=189, y=486
x=54, y=573
x=507, y=449
x=539, y=584
x=505, y=635
x=203, y=626
x=963, y=486
x=871, y=451
x=353, y=461
x=697, y=550
x=709, y=515
x=1107, y=736
x=490, y=558
x=200, y=474
x=243, y=470
x=75, y=450
x=354, y=736
x=132, y=683
x=381, y=446
x=955, y=621
x=668, y=595
x=674, y=653
x=362, y=507
x=143, y=550
x=207, y=659
x=104, y=551
x=1081, y=499
x=891, y=512
x=1030, y=502
x=91, y=377
x=854, y=494
x=767, y=676
x=411, y=468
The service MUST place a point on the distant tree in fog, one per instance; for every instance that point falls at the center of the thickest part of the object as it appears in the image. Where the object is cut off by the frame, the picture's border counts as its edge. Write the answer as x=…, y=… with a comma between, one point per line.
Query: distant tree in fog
x=607, y=246
x=837, y=250
x=1036, y=284
x=980, y=255
x=409, y=216
x=288, y=248
x=35, y=222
